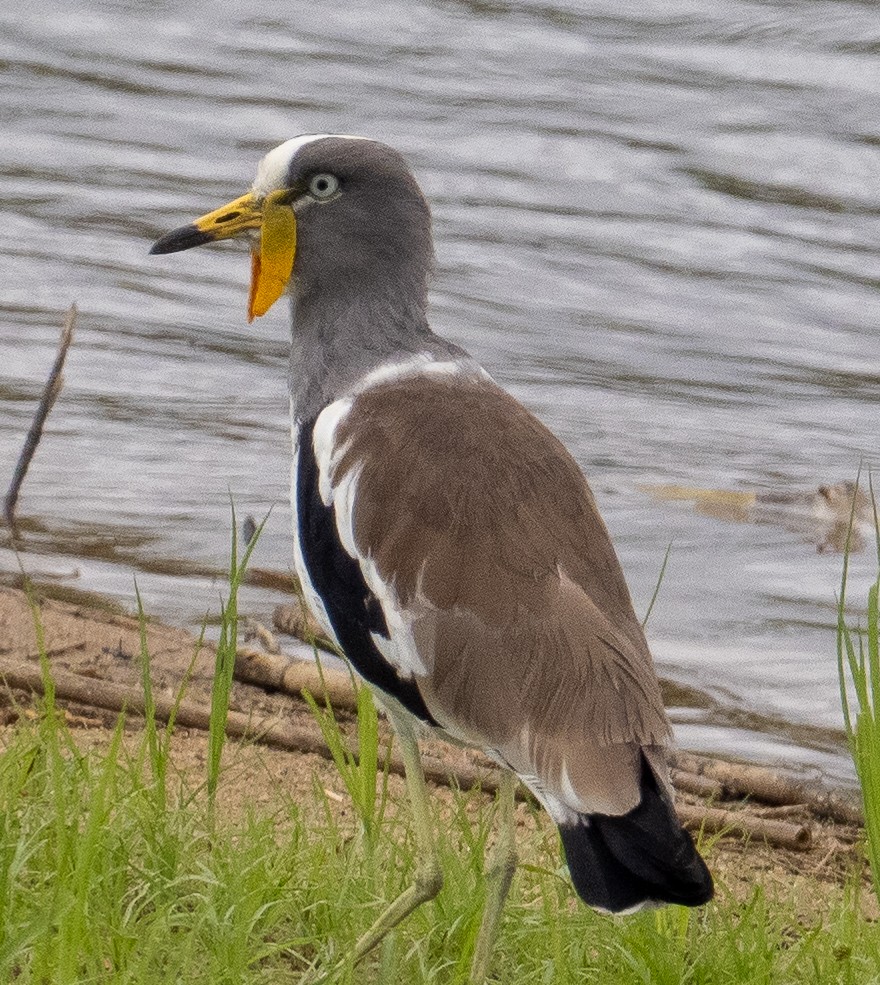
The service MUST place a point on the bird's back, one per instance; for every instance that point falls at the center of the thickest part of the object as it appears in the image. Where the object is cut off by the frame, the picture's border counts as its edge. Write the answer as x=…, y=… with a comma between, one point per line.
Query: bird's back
x=505, y=603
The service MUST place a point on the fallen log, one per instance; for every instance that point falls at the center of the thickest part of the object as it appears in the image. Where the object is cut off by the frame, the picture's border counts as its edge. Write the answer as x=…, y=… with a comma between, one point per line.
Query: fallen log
x=99, y=693
x=763, y=784
x=277, y=733
x=701, y=786
x=278, y=672
x=713, y=820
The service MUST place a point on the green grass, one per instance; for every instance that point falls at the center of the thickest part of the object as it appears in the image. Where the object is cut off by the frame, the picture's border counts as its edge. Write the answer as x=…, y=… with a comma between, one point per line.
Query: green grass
x=116, y=866
x=103, y=878
x=858, y=663
x=224, y=666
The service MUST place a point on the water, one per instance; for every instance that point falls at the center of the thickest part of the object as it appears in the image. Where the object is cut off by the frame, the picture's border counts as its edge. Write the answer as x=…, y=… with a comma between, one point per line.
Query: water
x=659, y=226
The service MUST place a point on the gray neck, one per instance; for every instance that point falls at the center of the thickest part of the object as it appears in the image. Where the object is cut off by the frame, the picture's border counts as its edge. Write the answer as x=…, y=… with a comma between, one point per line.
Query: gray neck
x=337, y=339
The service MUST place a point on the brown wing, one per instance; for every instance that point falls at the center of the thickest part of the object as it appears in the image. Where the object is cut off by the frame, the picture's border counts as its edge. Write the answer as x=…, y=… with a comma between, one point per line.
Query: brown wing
x=487, y=535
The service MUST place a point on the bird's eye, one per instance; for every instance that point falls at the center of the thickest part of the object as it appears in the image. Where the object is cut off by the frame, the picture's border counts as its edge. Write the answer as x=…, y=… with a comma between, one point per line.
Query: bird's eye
x=324, y=186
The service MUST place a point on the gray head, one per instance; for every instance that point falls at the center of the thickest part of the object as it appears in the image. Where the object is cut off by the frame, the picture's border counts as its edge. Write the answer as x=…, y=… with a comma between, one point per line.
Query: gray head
x=339, y=224
x=326, y=214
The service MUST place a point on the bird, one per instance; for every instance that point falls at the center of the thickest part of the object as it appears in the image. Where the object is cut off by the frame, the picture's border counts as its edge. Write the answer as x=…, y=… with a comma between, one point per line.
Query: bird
x=448, y=542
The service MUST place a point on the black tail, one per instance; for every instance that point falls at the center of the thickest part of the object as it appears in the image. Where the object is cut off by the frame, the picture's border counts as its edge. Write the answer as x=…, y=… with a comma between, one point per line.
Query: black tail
x=622, y=863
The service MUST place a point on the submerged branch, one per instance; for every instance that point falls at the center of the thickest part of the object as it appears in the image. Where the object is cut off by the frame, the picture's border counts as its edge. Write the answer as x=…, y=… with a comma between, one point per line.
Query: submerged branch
x=50, y=393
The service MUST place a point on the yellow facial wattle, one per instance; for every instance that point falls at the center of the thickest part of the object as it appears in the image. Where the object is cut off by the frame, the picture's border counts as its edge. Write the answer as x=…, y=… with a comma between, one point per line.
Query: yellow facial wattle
x=272, y=262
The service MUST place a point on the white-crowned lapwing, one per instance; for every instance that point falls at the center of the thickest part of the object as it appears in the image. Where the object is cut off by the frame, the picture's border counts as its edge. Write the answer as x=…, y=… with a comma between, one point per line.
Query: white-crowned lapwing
x=448, y=542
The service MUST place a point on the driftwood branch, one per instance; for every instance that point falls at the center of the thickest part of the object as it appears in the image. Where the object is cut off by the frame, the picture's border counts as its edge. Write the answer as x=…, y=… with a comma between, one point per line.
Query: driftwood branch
x=277, y=672
x=296, y=620
x=50, y=393
x=274, y=732
x=281, y=734
x=110, y=696
x=702, y=786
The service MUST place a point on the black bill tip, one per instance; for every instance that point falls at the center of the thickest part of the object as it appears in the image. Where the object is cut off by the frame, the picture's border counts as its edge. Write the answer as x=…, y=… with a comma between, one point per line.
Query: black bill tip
x=183, y=238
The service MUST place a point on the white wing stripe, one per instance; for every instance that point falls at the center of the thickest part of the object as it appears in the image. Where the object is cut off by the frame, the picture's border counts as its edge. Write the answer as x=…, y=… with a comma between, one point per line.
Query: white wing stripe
x=326, y=452
x=343, y=498
x=400, y=651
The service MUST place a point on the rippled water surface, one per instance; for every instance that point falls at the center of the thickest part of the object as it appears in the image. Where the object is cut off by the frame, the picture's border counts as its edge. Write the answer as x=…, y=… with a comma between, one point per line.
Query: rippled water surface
x=657, y=224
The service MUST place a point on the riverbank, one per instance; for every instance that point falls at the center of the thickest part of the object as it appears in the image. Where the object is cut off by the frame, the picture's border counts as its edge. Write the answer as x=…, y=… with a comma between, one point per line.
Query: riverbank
x=288, y=818
x=95, y=657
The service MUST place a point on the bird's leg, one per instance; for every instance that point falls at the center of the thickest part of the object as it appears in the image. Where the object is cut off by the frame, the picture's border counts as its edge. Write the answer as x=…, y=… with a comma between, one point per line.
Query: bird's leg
x=499, y=873
x=429, y=876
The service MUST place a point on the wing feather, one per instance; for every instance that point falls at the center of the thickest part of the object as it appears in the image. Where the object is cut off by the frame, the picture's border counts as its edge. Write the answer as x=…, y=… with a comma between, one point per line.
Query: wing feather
x=479, y=536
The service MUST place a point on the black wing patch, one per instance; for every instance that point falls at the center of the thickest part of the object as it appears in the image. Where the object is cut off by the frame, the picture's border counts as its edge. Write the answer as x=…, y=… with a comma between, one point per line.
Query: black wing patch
x=353, y=610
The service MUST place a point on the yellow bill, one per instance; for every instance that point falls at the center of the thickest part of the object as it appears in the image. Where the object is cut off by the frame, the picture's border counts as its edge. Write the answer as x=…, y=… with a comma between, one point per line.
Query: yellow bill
x=272, y=218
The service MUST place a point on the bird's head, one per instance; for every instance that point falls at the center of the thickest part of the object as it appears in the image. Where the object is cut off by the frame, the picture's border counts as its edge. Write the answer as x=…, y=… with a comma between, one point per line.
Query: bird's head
x=325, y=213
